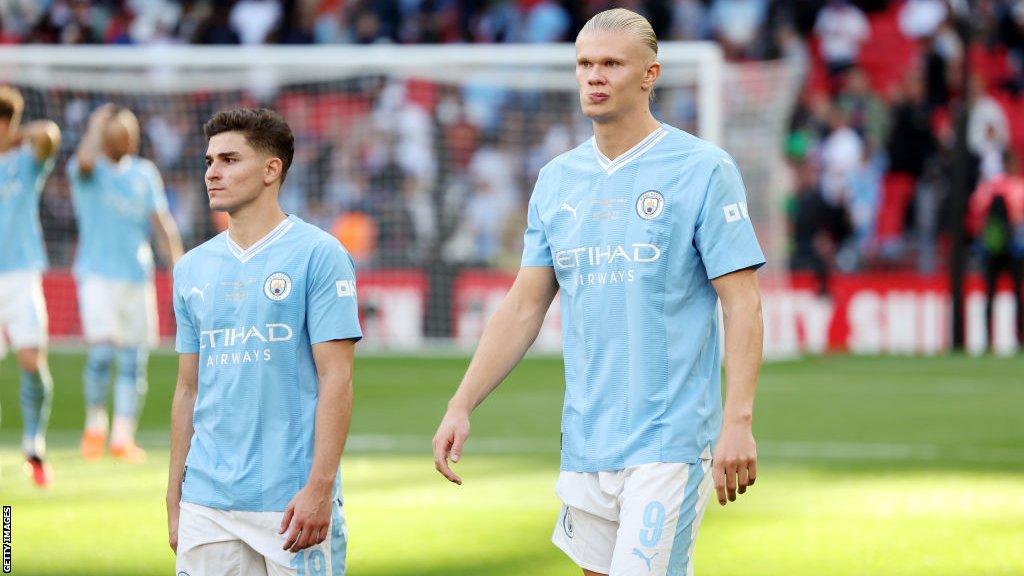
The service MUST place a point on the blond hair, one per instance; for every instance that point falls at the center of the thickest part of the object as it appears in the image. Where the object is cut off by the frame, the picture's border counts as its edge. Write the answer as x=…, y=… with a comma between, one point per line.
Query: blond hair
x=622, y=20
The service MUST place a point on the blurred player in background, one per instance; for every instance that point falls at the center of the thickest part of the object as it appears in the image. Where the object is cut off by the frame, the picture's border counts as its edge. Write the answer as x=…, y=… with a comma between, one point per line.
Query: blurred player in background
x=118, y=197
x=26, y=159
x=267, y=325
x=643, y=229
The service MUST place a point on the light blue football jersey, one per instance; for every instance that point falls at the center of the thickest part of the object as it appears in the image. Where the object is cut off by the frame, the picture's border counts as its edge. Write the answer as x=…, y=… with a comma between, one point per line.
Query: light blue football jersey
x=113, y=205
x=252, y=316
x=634, y=244
x=22, y=178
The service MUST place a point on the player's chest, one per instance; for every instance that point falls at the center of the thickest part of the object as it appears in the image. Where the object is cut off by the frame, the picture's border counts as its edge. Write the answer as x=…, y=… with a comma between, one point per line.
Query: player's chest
x=614, y=211
x=126, y=195
x=236, y=296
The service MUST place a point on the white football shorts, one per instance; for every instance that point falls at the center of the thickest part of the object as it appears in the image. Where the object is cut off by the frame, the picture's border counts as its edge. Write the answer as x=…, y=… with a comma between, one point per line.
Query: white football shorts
x=118, y=312
x=22, y=311
x=214, y=542
x=639, y=521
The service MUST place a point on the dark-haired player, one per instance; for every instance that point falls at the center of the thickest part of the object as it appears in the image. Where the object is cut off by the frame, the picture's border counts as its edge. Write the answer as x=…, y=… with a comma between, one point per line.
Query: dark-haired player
x=267, y=326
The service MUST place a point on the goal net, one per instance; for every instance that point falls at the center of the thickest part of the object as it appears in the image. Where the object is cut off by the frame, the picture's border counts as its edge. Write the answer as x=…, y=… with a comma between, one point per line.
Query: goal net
x=419, y=158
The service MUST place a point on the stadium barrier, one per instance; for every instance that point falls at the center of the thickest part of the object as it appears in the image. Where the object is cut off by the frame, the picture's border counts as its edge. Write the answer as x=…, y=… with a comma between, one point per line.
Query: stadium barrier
x=890, y=313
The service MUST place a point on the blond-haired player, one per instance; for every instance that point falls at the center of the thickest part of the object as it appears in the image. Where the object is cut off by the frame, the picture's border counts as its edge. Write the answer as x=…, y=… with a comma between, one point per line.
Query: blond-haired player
x=643, y=229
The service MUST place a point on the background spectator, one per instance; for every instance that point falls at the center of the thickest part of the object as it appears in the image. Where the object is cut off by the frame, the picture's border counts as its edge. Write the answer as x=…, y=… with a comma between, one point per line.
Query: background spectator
x=841, y=28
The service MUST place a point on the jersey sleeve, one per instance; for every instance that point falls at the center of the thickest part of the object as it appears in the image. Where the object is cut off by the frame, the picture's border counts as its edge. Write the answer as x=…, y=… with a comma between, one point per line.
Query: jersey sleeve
x=332, y=311
x=725, y=236
x=536, y=250
x=186, y=340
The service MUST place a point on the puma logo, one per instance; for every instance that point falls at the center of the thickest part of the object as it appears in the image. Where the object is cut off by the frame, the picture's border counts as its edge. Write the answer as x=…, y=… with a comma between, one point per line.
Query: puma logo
x=570, y=209
x=202, y=296
x=647, y=561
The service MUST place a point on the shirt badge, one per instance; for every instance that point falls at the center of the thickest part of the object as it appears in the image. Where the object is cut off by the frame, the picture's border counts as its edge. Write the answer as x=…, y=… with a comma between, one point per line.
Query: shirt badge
x=278, y=286
x=650, y=204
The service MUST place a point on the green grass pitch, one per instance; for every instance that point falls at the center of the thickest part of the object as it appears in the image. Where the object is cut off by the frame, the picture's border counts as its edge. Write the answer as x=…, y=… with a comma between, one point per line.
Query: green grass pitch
x=868, y=466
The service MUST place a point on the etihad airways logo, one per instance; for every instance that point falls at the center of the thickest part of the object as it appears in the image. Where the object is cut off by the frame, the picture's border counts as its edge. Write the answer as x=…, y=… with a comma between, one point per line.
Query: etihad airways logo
x=595, y=256
x=229, y=337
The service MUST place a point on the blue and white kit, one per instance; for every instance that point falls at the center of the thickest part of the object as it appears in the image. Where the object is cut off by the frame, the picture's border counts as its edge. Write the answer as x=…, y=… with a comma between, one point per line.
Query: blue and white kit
x=634, y=243
x=252, y=316
x=23, y=318
x=114, y=261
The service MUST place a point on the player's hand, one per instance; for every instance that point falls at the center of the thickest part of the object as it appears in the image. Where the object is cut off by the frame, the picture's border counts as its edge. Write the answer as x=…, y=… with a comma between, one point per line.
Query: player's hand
x=734, y=466
x=448, y=442
x=307, y=519
x=100, y=116
x=173, y=513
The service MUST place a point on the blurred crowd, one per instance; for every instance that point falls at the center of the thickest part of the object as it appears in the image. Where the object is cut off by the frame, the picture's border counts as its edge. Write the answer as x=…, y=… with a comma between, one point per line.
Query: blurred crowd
x=872, y=142
x=744, y=27
x=445, y=171
x=407, y=173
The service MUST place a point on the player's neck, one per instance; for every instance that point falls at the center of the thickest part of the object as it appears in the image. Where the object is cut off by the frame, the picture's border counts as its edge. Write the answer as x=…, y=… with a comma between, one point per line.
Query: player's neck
x=250, y=224
x=617, y=137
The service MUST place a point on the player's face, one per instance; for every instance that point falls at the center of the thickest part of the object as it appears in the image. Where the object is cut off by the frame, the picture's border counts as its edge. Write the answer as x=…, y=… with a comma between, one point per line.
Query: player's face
x=612, y=70
x=235, y=172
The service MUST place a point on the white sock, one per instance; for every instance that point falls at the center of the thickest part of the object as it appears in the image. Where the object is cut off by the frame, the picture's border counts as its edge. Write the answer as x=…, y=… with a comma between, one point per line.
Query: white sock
x=33, y=446
x=96, y=419
x=123, y=432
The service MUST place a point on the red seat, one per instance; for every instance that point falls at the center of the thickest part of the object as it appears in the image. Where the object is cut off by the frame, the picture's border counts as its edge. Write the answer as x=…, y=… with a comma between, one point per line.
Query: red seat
x=897, y=191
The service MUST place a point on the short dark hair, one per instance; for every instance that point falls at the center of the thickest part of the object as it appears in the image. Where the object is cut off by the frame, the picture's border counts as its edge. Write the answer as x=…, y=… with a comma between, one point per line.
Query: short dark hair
x=11, y=104
x=264, y=130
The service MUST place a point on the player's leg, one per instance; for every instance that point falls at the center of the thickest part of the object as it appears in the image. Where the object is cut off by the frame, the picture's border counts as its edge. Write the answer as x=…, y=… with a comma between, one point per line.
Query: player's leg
x=96, y=298
x=28, y=327
x=662, y=505
x=137, y=315
x=587, y=524
x=129, y=393
x=36, y=400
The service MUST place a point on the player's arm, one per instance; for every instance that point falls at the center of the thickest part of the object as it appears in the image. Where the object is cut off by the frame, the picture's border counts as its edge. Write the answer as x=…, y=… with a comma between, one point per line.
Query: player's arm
x=44, y=138
x=735, y=458
x=506, y=338
x=309, y=512
x=168, y=240
x=181, y=437
x=89, y=148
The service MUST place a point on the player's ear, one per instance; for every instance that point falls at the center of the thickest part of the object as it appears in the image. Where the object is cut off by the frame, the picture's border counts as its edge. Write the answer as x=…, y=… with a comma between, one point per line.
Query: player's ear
x=651, y=75
x=272, y=170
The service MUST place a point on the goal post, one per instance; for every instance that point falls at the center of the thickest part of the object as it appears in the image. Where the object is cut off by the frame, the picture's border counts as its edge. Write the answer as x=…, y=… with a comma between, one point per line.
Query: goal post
x=420, y=158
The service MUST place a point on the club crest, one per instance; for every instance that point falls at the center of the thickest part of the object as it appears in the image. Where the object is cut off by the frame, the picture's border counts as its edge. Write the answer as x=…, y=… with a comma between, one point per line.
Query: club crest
x=650, y=204
x=278, y=286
